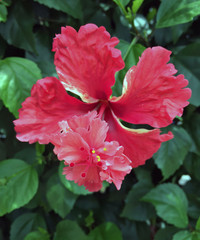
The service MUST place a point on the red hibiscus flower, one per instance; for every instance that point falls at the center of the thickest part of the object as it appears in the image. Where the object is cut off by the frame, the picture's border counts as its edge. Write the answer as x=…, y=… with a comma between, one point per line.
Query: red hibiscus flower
x=86, y=62
x=89, y=158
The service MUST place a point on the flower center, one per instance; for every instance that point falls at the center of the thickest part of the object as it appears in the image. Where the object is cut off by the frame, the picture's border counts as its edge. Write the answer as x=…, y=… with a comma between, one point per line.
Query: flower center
x=102, y=107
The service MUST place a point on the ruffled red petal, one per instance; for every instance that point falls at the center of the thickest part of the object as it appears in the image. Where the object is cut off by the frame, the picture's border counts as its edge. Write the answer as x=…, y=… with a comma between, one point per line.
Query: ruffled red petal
x=151, y=94
x=86, y=61
x=91, y=179
x=140, y=144
x=68, y=147
x=48, y=104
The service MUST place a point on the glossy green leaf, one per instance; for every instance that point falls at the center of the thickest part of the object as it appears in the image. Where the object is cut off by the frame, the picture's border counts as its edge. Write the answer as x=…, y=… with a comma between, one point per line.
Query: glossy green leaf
x=135, y=209
x=193, y=129
x=130, y=54
x=187, y=61
x=170, y=202
x=125, y=2
x=176, y=12
x=60, y=199
x=71, y=185
x=193, y=194
x=40, y=234
x=136, y=5
x=197, y=227
x=106, y=231
x=165, y=233
x=183, y=235
x=69, y=230
x=17, y=78
x=25, y=224
x=18, y=32
x=71, y=7
x=19, y=183
x=44, y=57
x=192, y=165
x=172, y=153
x=164, y=36
x=196, y=235
x=3, y=13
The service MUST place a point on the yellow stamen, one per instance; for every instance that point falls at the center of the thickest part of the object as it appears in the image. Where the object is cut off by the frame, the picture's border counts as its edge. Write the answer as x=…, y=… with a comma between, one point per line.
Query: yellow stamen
x=105, y=149
x=93, y=151
x=98, y=158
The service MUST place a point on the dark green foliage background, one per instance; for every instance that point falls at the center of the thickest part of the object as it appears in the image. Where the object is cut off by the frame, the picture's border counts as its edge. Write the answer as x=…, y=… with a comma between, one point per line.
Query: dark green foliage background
x=36, y=202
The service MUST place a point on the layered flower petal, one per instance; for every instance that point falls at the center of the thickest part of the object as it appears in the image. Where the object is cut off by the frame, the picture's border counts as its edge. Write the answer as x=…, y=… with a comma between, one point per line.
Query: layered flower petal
x=89, y=159
x=91, y=179
x=151, y=94
x=70, y=147
x=48, y=104
x=140, y=144
x=119, y=168
x=86, y=61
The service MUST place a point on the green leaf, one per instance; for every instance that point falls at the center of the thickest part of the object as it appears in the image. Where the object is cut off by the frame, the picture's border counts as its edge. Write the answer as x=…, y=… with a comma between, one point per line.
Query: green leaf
x=125, y=2
x=69, y=230
x=192, y=165
x=3, y=13
x=175, y=12
x=193, y=194
x=172, y=153
x=196, y=235
x=170, y=202
x=16, y=31
x=136, y=5
x=151, y=14
x=44, y=57
x=135, y=209
x=70, y=185
x=130, y=54
x=165, y=233
x=17, y=78
x=164, y=36
x=187, y=61
x=25, y=224
x=106, y=231
x=71, y=7
x=2, y=150
x=89, y=220
x=20, y=183
x=6, y=3
x=183, y=235
x=40, y=234
x=193, y=128
x=197, y=227
x=60, y=199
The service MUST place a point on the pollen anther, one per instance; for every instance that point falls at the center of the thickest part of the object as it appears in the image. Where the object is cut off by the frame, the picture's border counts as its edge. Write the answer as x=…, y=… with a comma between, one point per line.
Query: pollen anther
x=105, y=149
x=98, y=158
x=93, y=151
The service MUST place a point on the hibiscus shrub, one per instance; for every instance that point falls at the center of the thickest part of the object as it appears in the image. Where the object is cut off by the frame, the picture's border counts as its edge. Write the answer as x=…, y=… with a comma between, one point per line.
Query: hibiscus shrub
x=100, y=120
